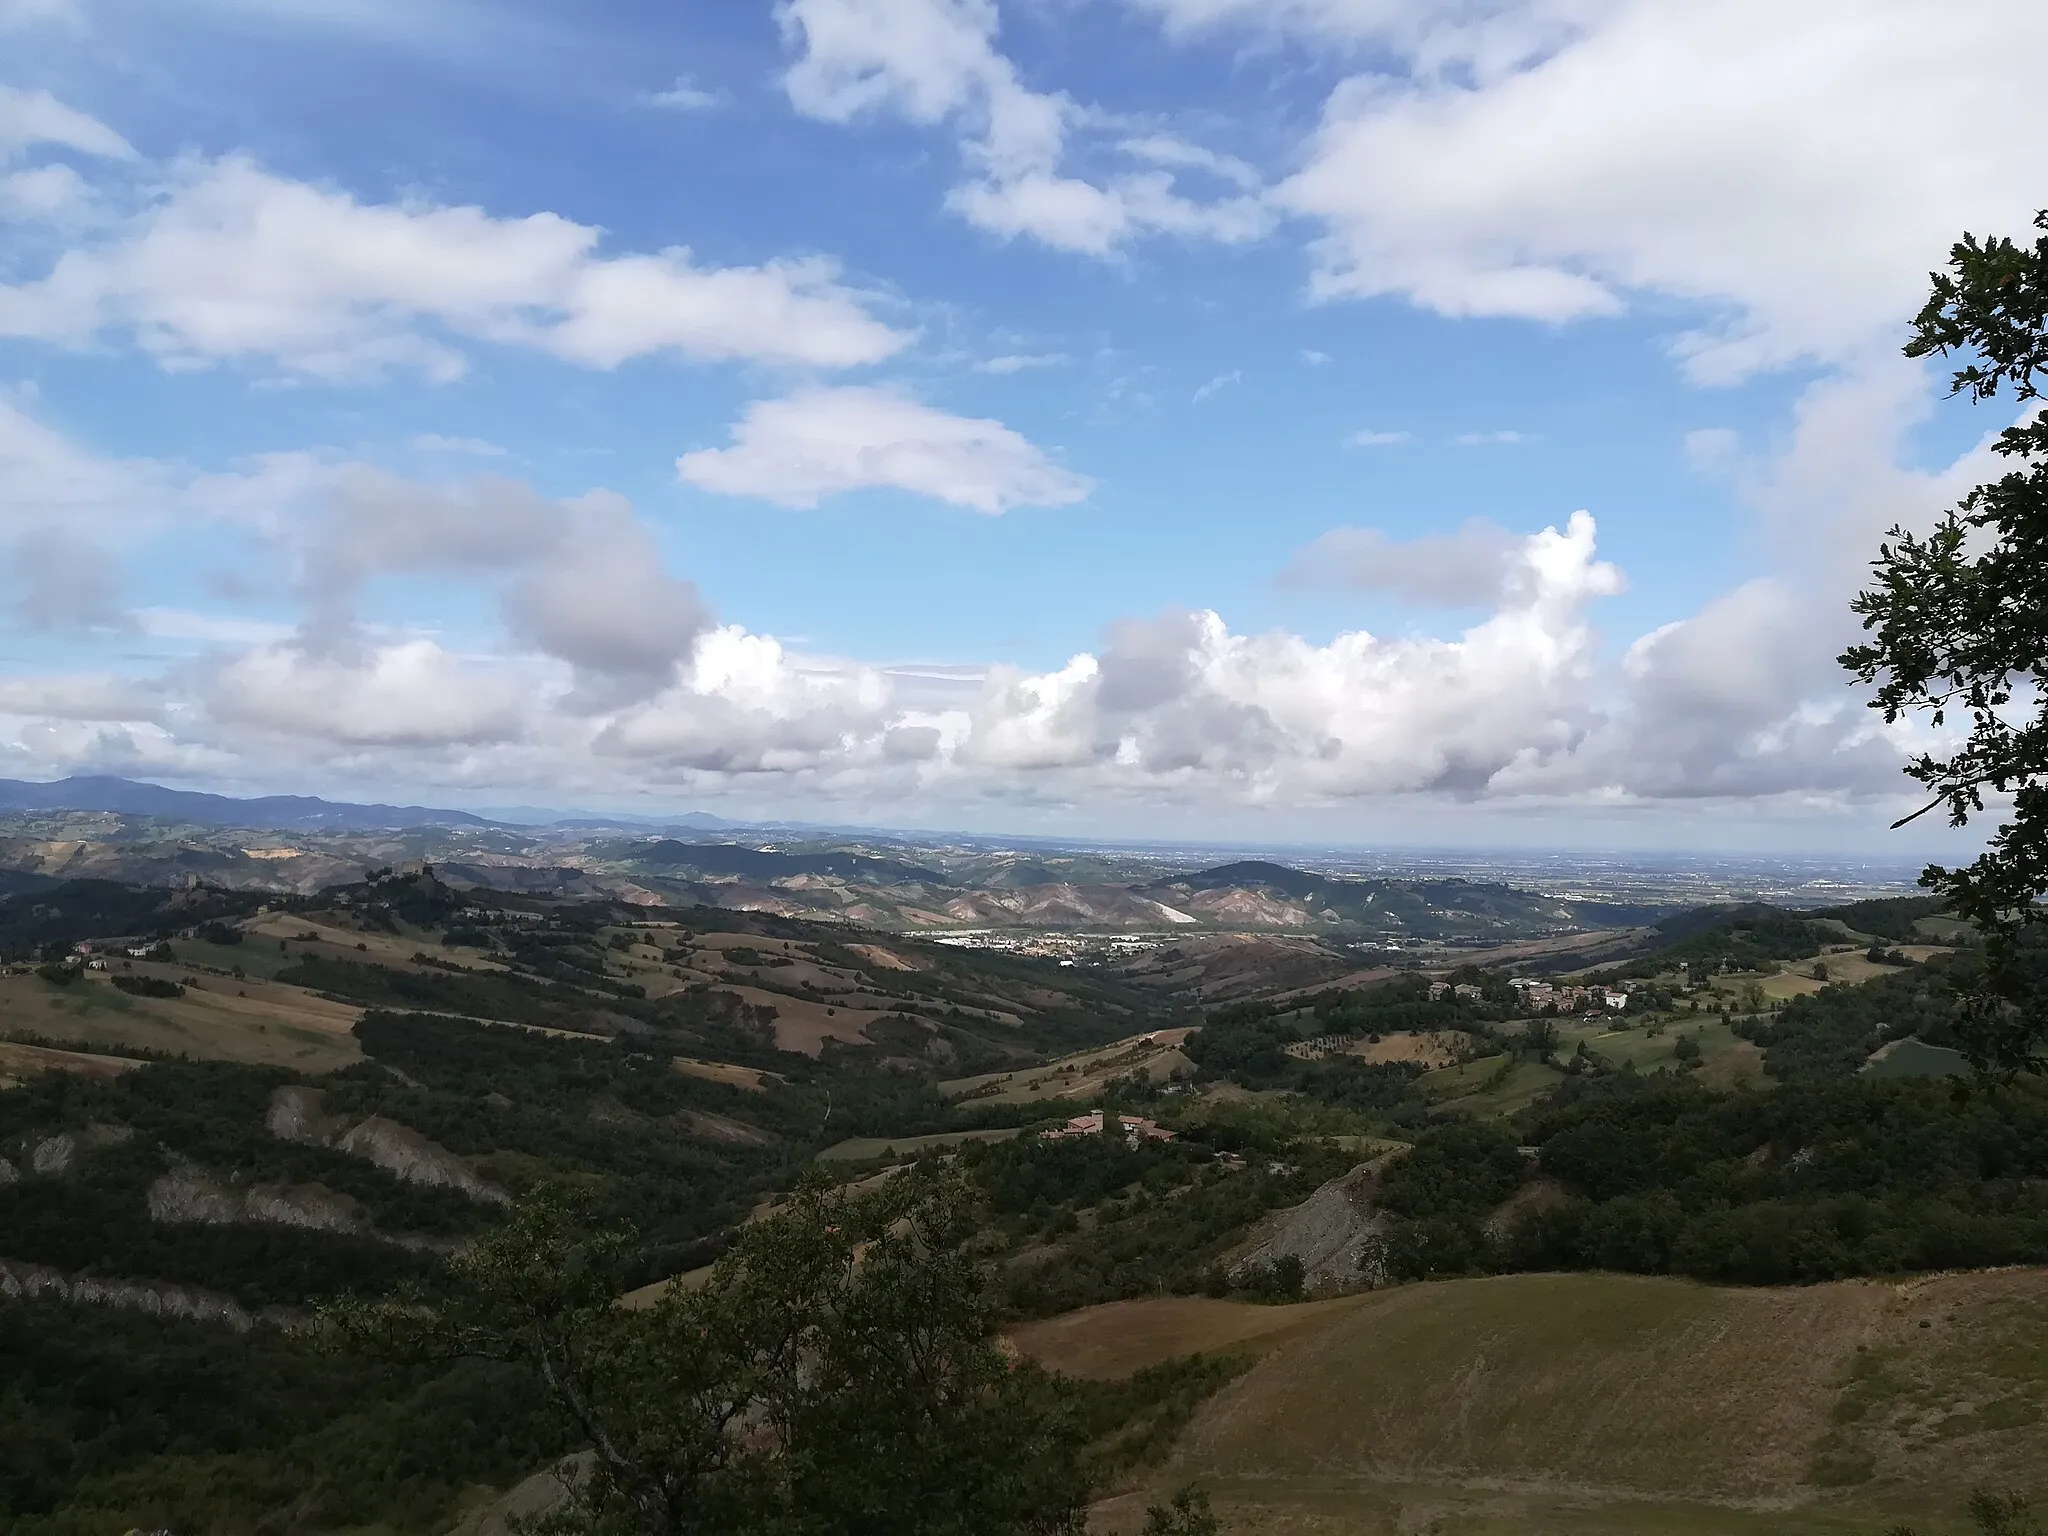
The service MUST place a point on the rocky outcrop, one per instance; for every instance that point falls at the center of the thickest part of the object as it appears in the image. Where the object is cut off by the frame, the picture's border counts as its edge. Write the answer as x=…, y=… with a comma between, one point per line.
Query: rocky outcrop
x=54, y=1154
x=9, y=1174
x=296, y=1114
x=299, y=1114
x=1335, y=1233
x=189, y=1194
x=27, y=1282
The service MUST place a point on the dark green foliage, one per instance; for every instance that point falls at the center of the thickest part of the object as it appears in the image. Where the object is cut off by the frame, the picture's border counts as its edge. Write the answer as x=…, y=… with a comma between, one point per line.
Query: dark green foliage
x=1133, y=1423
x=1885, y=917
x=1812, y=1181
x=1831, y=1033
x=1186, y=1514
x=148, y=986
x=1958, y=621
x=1751, y=938
x=113, y=1420
x=58, y=975
x=479, y=995
x=890, y=1407
x=94, y=1218
x=219, y=933
x=1161, y=1215
x=54, y=916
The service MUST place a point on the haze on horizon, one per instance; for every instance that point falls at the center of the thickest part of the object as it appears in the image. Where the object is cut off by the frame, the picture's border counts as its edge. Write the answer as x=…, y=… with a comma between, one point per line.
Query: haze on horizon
x=1349, y=422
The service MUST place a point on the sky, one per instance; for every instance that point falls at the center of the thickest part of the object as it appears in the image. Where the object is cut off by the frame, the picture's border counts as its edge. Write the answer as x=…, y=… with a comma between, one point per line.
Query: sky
x=1455, y=422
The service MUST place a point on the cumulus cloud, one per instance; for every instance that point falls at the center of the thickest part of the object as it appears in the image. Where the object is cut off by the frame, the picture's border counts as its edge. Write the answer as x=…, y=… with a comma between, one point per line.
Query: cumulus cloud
x=604, y=603
x=1458, y=570
x=233, y=263
x=408, y=694
x=820, y=442
x=59, y=581
x=28, y=118
x=747, y=707
x=1550, y=162
x=935, y=61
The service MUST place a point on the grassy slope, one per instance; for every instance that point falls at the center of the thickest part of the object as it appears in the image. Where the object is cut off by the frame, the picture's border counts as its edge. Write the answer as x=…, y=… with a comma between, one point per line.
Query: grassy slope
x=1597, y=1403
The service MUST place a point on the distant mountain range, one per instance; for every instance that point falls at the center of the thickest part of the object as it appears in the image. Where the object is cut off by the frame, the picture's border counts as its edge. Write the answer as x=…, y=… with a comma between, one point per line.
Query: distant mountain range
x=283, y=813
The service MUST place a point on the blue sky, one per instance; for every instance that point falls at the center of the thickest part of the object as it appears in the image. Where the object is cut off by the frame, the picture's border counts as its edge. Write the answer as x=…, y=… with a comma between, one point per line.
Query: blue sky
x=1098, y=416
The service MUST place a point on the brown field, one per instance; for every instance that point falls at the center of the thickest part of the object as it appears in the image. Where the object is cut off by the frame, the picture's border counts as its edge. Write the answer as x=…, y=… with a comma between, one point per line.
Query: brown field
x=753, y=1079
x=1434, y=1050
x=18, y=1061
x=1111, y=1341
x=339, y=942
x=1555, y=1404
x=805, y=1026
x=1080, y=1076
x=260, y=1022
x=888, y=959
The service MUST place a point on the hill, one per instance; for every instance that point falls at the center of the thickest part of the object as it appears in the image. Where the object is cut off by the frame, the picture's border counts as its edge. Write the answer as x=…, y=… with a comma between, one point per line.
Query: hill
x=1548, y=1404
x=129, y=797
x=736, y=859
x=1264, y=894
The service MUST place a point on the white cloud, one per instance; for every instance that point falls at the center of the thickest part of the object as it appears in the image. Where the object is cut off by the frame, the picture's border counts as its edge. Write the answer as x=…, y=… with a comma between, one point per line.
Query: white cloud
x=1583, y=153
x=934, y=61
x=1314, y=358
x=610, y=675
x=746, y=706
x=603, y=601
x=28, y=118
x=1019, y=362
x=685, y=96
x=78, y=696
x=475, y=447
x=1222, y=381
x=1464, y=569
x=15, y=14
x=48, y=193
x=408, y=694
x=57, y=580
x=1163, y=149
x=233, y=263
x=1366, y=437
x=820, y=442
x=1486, y=439
x=1181, y=701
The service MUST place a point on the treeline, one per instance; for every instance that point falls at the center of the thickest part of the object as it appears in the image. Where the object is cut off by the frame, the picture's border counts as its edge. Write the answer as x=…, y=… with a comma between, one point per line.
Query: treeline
x=46, y=921
x=1753, y=939
x=1812, y=1181
x=1091, y=1219
x=114, y=1421
x=1831, y=1033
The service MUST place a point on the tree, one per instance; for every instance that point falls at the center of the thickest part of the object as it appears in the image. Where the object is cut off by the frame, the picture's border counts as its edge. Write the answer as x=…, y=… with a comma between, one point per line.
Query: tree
x=1959, y=626
x=835, y=1375
x=1186, y=1514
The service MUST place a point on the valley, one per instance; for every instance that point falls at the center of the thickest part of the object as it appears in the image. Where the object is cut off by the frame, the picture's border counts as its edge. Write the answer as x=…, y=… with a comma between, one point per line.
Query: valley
x=1390, y=1190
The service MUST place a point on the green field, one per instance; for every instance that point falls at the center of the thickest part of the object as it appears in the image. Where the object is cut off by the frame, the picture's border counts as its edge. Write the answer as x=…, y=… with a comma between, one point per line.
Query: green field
x=860, y=1149
x=1915, y=1058
x=1604, y=1403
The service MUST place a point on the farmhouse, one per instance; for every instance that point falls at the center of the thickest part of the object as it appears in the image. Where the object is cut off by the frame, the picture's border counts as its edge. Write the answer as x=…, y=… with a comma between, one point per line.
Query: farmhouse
x=1135, y=1129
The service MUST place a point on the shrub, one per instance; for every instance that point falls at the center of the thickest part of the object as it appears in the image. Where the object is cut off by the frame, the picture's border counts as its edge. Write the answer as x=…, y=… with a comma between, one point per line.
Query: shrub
x=148, y=986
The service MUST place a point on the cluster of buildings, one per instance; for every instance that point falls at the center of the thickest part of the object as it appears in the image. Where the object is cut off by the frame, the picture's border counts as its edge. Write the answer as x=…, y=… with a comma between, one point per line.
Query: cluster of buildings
x=1536, y=994
x=1465, y=990
x=1136, y=1129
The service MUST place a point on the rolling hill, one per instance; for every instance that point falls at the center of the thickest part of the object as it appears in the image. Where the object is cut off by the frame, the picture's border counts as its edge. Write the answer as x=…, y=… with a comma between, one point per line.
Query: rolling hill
x=1552, y=1404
